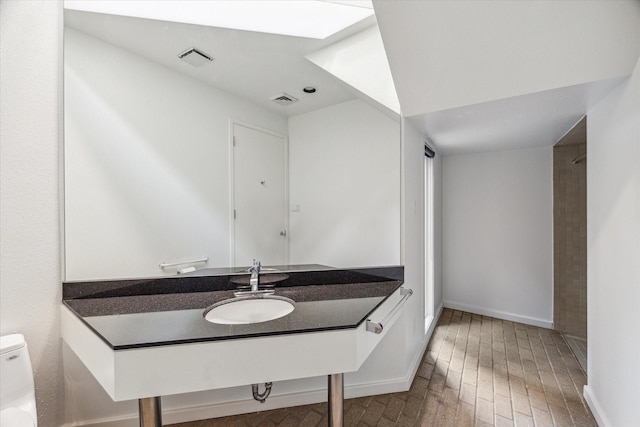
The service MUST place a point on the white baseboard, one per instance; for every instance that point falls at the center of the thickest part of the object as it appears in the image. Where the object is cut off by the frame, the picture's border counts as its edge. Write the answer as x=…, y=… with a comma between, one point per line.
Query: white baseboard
x=417, y=358
x=435, y=320
x=500, y=314
x=595, y=407
x=192, y=413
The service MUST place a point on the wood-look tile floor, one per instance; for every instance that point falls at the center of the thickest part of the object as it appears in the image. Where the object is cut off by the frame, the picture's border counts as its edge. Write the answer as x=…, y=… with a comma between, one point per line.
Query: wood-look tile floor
x=476, y=371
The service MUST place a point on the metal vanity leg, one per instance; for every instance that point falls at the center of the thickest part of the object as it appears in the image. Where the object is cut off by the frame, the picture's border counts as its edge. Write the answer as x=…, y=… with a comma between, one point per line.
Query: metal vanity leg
x=150, y=412
x=336, y=400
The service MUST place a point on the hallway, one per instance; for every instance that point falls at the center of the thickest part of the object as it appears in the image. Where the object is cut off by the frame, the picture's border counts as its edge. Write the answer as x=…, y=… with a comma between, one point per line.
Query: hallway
x=477, y=371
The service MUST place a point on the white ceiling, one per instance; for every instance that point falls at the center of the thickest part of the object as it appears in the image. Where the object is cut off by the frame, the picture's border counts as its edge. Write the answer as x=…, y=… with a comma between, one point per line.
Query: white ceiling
x=252, y=65
x=527, y=121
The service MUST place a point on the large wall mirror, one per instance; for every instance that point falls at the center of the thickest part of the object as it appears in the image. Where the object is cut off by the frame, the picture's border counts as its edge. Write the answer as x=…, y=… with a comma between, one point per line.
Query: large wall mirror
x=169, y=160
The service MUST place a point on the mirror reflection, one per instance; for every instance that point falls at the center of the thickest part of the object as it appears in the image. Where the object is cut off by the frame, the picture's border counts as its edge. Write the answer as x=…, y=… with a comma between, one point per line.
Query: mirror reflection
x=219, y=157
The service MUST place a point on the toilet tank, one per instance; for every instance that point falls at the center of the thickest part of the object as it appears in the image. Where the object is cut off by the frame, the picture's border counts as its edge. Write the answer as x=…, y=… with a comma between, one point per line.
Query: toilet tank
x=16, y=388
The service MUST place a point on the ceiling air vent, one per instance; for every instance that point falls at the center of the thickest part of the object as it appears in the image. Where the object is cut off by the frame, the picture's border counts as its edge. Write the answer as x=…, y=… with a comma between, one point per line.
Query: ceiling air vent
x=194, y=57
x=283, y=99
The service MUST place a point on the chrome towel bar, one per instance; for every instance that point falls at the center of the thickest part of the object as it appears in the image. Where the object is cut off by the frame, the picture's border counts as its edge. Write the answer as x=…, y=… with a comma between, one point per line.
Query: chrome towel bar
x=173, y=264
x=377, y=327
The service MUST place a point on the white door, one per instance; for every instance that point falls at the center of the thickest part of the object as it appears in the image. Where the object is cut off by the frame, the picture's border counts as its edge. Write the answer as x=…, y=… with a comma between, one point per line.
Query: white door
x=259, y=197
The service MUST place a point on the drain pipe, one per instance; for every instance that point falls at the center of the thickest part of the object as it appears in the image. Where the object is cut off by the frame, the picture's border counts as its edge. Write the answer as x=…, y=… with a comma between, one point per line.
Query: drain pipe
x=261, y=397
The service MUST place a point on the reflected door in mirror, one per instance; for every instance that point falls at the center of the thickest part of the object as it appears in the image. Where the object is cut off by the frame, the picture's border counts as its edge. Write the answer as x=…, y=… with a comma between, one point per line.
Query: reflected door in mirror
x=259, y=196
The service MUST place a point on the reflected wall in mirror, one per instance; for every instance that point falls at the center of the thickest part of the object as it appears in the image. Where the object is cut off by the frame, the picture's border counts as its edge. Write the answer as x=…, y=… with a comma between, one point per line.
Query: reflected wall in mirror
x=152, y=174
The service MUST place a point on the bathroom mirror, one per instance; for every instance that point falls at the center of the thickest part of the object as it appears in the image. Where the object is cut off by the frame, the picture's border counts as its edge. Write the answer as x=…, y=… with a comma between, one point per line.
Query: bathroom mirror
x=154, y=183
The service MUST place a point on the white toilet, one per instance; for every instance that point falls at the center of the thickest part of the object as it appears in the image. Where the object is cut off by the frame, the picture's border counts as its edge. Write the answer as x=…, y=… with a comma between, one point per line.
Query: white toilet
x=17, y=393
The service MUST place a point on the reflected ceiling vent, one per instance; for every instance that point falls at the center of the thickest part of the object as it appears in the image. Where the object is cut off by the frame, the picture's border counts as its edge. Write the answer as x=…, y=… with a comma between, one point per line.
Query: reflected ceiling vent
x=194, y=57
x=283, y=99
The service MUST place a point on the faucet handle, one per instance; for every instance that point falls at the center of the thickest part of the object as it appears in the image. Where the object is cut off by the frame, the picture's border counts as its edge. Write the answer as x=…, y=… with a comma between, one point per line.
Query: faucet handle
x=257, y=265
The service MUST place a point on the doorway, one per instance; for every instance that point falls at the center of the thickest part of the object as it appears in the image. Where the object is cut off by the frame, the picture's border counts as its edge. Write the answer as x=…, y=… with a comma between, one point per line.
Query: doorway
x=570, y=239
x=259, y=196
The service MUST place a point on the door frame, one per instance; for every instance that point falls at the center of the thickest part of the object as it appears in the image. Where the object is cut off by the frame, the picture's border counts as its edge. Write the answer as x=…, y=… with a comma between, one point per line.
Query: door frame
x=428, y=241
x=232, y=237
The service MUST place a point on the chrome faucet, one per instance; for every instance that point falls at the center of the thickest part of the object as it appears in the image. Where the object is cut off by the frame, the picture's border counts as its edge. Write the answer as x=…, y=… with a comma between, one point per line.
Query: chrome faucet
x=254, y=282
x=255, y=275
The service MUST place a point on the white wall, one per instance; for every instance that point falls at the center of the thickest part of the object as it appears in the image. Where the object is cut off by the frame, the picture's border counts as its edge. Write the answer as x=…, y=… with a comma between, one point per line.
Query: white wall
x=146, y=163
x=613, y=256
x=344, y=164
x=30, y=47
x=498, y=247
x=413, y=245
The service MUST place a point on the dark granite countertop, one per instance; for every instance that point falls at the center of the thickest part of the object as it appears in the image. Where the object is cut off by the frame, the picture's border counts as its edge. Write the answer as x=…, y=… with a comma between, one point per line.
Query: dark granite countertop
x=165, y=311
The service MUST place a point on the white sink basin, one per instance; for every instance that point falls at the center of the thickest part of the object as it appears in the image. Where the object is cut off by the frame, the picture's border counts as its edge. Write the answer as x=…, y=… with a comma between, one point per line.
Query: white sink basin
x=252, y=309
